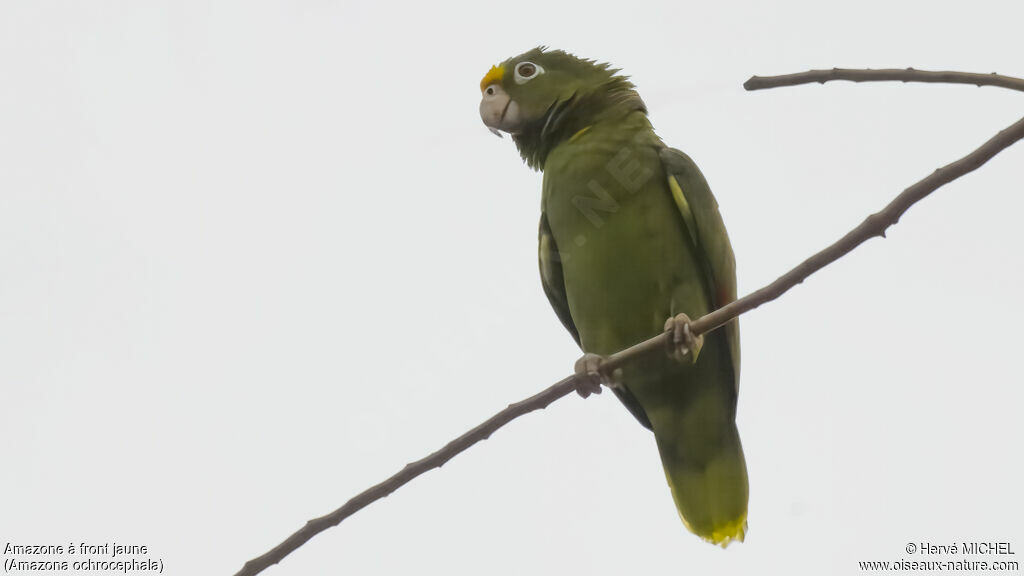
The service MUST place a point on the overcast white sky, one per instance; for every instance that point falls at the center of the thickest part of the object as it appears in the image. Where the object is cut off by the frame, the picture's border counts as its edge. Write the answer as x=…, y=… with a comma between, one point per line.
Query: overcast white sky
x=256, y=256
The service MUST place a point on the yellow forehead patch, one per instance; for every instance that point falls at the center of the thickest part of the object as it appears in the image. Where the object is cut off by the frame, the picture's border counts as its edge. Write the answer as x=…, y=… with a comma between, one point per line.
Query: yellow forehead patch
x=495, y=74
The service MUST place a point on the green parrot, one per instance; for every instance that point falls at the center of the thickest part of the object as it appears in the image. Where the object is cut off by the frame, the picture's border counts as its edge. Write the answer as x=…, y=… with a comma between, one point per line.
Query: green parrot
x=632, y=244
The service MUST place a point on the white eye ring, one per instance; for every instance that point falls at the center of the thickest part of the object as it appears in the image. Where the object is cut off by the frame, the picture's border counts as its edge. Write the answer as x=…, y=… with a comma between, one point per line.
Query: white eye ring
x=526, y=71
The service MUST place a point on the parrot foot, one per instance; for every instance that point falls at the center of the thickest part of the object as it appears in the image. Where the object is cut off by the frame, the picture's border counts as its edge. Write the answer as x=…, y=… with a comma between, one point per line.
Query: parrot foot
x=683, y=344
x=589, y=376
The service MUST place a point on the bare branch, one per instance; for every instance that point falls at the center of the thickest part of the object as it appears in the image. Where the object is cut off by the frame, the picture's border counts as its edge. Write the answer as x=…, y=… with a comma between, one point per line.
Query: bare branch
x=884, y=75
x=874, y=225
x=538, y=401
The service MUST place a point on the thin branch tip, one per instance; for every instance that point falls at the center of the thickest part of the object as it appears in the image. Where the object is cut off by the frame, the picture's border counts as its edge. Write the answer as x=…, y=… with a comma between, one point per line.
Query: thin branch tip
x=885, y=75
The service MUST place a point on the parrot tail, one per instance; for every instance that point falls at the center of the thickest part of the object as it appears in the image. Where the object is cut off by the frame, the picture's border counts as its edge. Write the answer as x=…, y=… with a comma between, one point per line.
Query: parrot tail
x=703, y=459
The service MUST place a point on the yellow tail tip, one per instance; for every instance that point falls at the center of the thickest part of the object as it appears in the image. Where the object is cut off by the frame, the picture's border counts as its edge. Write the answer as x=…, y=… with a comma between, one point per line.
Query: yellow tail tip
x=734, y=531
x=725, y=534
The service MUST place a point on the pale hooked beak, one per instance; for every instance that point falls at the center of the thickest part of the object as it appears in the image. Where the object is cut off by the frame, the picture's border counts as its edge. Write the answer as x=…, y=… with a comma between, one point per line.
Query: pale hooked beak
x=498, y=110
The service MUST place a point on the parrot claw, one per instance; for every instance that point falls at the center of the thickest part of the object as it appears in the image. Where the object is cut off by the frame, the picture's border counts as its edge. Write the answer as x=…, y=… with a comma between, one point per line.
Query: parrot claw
x=589, y=377
x=682, y=343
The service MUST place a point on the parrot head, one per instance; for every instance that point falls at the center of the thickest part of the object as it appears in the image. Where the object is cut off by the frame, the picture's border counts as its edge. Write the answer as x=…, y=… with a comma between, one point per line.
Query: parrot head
x=544, y=96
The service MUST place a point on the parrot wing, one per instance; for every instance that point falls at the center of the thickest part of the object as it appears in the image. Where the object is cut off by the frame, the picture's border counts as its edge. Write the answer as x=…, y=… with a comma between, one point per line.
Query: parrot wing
x=554, y=288
x=700, y=214
x=551, y=277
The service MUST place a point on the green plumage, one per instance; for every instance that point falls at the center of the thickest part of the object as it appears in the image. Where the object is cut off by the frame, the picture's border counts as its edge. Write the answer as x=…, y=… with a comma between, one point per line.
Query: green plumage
x=630, y=235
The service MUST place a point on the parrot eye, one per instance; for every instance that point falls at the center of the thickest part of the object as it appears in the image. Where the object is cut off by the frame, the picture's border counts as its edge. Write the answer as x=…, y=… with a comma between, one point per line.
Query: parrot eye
x=526, y=71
